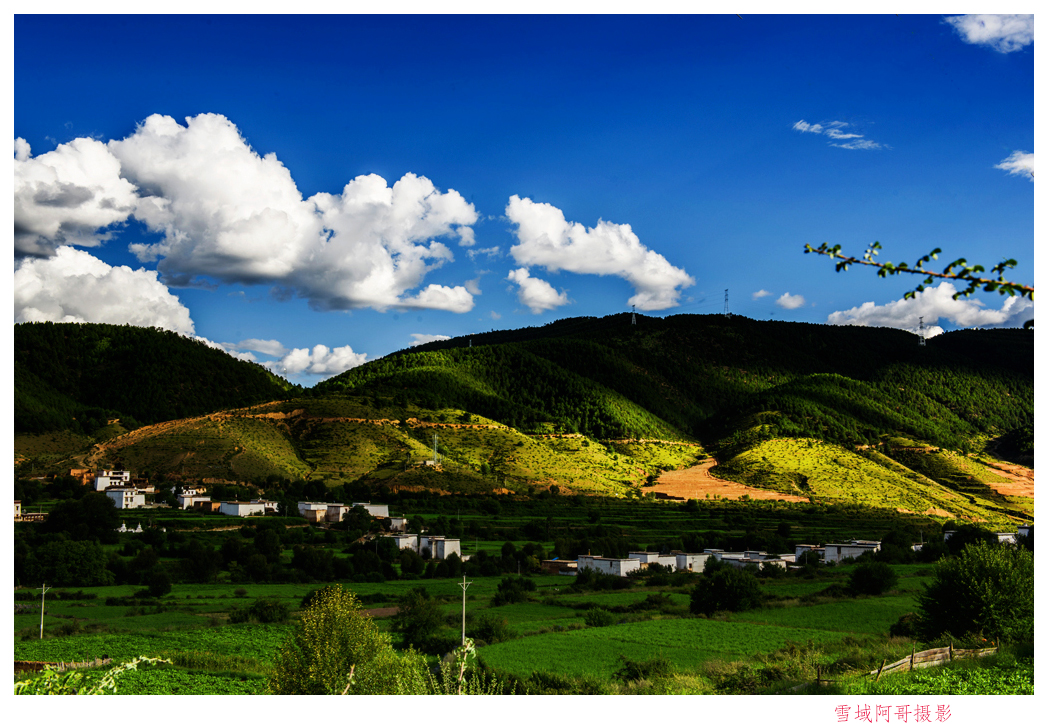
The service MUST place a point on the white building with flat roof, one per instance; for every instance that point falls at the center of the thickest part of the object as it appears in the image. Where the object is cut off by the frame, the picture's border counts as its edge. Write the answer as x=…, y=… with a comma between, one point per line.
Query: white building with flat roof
x=376, y=510
x=110, y=478
x=837, y=552
x=125, y=497
x=611, y=566
x=242, y=509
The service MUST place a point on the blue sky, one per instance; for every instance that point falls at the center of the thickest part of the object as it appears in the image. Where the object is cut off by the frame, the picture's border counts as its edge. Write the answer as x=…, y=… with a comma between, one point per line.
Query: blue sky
x=314, y=192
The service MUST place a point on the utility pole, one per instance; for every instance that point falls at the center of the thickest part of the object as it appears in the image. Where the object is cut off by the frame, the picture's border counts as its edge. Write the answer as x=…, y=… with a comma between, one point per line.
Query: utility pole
x=634, y=318
x=464, y=586
x=726, y=312
x=920, y=332
x=43, y=589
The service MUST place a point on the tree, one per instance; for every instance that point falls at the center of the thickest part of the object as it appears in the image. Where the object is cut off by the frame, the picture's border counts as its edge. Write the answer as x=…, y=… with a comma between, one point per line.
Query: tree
x=727, y=588
x=872, y=578
x=419, y=621
x=987, y=589
x=334, y=636
x=93, y=516
x=956, y=270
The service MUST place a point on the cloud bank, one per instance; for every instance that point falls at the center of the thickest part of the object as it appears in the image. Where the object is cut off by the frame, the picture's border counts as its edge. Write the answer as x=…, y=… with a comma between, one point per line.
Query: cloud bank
x=74, y=286
x=545, y=238
x=1003, y=33
x=228, y=214
x=65, y=196
x=934, y=304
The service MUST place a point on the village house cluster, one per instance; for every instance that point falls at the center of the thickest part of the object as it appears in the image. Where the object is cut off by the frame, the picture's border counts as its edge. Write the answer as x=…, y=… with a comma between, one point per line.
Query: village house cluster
x=127, y=492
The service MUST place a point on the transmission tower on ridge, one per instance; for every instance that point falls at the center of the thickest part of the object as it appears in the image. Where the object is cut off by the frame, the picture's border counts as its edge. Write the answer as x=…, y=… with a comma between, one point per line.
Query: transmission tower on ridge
x=726, y=312
x=920, y=332
x=633, y=318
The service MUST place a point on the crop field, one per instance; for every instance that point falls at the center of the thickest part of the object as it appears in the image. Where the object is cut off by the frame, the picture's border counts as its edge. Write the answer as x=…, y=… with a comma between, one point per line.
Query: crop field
x=688, y=643
x=257, y=641
x=869, y=615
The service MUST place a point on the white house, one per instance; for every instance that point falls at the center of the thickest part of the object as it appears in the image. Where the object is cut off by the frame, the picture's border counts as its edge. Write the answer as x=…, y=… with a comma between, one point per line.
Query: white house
x=18, y=509
x=802, y=548
x=125, y=497
x=398, y=525
x=691, y=561
x=646, y=558
x=405, y=541
x=109, y=478
x=242, y=509
x=837, y=552
x=612, y=566
x=188, y=501
x=313, y=512
x=376, y=510
x=438, y=546
x=1024, y=530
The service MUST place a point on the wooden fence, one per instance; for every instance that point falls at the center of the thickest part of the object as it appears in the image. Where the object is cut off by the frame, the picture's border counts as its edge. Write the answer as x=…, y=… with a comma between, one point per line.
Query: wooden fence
x=930, y=657
x=21, y=666
x=916, y=660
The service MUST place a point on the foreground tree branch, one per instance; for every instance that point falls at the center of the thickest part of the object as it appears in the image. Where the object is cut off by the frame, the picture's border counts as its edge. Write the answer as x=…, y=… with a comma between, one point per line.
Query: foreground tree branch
x=958, y=270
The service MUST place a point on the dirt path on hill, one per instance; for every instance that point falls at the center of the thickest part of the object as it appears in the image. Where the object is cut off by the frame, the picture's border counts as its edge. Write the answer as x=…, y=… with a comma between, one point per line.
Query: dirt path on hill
x=1021, y=485
x=696, y=482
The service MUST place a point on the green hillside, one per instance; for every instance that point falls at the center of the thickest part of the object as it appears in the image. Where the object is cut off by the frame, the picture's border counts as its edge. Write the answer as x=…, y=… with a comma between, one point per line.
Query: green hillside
x=76, y=376
x=688, y=376
x=835, y=414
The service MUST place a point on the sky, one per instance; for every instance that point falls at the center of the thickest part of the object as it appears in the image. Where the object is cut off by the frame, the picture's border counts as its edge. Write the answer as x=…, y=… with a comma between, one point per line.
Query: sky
x=311, y=193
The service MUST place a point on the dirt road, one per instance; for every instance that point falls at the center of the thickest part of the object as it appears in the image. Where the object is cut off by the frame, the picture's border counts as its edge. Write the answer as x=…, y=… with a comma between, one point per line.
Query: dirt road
x=696, y=482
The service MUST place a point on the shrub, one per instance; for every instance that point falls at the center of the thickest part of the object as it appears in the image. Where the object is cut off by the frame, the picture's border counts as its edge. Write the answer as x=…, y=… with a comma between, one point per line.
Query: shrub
x=727, y=589
x=490, y=629
x=988, y=589
x=657, y=668
x=333, y=635
x=513, y=590
x=872, y=579
x=599, y=617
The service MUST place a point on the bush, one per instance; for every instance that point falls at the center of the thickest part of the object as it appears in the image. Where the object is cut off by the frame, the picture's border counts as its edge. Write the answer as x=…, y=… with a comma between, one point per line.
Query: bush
x=513, y=590
x=333, y=635
x=872, y=579
x=727, y=589
x=490, y=629
x=599, y=617
x=420, y=621
x=652, y=669
x=986, y=590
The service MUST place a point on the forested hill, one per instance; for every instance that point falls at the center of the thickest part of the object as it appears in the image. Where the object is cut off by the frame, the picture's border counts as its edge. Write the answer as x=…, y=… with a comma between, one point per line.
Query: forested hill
x=713, y=375
x=75, y=376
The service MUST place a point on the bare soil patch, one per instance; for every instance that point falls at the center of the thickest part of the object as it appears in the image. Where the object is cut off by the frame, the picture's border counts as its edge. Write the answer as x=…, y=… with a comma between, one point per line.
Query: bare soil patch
x=1021, y=479
x=696, y=482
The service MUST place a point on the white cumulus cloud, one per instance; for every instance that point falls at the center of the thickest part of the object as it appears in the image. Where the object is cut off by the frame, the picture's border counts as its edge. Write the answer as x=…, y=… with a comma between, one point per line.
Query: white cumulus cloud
x=424, y=338
x=545, y=238
x=66, y=196
x=933, y=304
x=761, y=293
x=319, y=361
x=790, y=301
x=1003, y=33
x=537, y=294
x=1019, y=163
x=228, y=213
x=835, y=130
x=270, y=347
x=74, y=286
